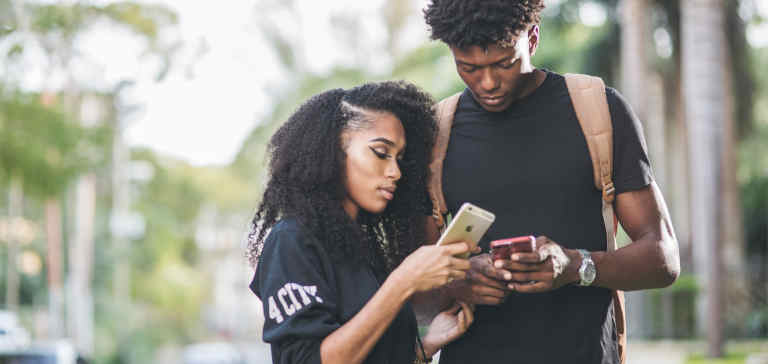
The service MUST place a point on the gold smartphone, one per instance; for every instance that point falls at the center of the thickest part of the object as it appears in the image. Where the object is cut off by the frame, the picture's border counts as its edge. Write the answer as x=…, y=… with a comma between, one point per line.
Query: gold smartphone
x=469, y=225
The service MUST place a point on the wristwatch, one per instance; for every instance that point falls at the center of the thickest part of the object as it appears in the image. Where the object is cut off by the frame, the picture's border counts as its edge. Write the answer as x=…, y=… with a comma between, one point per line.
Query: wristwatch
x=587, y=270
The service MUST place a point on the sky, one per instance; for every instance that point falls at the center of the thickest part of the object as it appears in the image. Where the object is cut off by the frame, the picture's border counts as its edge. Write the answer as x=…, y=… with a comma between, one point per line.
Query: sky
x=204, y=110
x=219, y=86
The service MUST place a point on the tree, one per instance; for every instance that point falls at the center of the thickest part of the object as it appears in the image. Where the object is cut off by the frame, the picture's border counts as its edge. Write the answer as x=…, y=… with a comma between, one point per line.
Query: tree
x=54, y=29
x=40, y=151
x=703, y=66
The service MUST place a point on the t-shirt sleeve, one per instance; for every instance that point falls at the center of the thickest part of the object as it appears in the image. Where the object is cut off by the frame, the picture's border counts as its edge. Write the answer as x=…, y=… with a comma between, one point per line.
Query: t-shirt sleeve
x=298, y=296
x=631, y=168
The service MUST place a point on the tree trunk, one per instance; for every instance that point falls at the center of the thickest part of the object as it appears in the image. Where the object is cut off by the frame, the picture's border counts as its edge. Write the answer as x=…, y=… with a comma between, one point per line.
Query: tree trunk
x=736, y=291
x=634, y=65
x=634, y=69
x=15, y=212
x=680, y=174
x=121, y=283
x=55, y=295
x=80, y=308
x=703, y=74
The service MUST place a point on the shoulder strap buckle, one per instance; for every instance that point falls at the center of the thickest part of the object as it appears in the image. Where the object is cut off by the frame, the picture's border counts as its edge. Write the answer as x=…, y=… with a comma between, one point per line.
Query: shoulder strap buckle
x=609, y=192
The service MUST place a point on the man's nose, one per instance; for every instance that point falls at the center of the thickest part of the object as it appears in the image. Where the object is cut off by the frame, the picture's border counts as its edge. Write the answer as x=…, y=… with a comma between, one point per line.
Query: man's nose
x=489, y=82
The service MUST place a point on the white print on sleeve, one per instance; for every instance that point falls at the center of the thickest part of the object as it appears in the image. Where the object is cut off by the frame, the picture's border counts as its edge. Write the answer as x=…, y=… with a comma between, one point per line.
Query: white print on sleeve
x=289, y=301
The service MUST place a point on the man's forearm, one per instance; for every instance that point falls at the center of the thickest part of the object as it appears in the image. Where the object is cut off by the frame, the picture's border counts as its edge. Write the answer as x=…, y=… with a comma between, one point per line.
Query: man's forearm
x=652, y=260
x=644, y=264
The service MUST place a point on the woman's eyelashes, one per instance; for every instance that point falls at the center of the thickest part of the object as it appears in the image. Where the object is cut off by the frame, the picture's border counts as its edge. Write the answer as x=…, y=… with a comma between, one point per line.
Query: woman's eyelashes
x=382, y=154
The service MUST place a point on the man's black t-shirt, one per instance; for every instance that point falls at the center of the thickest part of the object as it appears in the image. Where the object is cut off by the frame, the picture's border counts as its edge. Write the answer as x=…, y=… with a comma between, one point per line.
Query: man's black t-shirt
x=306, y=296
x=531, y=167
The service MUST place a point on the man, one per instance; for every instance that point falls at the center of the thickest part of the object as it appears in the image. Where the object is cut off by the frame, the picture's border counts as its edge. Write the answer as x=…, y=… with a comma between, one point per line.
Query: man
x=516, y=149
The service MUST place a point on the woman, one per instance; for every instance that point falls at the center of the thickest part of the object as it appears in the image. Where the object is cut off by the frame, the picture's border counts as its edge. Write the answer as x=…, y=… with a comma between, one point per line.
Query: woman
x=337, y=222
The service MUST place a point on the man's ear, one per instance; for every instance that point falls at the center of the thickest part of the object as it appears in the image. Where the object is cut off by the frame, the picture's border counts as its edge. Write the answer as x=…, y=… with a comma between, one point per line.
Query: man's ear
x=533, y=39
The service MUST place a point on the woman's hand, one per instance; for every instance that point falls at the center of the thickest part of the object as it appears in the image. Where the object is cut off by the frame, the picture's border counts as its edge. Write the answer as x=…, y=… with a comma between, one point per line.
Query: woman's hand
x=432, y=266
x=447, y=326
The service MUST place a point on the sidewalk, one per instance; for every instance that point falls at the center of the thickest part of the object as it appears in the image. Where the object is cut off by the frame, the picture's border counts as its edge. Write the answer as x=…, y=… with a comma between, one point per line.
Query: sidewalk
x=657, y=352
x=677, y=351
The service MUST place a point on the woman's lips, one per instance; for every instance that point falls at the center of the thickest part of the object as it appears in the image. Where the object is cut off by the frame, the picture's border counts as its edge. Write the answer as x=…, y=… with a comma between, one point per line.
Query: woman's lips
x=387, y=192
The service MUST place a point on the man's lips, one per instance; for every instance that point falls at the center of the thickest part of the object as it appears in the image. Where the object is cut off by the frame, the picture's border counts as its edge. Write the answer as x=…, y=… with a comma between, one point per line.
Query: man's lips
x=492, y=100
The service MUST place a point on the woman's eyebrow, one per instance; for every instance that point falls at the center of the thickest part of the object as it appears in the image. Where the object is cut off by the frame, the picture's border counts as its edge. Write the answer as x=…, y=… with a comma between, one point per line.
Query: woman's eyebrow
x=383, y=140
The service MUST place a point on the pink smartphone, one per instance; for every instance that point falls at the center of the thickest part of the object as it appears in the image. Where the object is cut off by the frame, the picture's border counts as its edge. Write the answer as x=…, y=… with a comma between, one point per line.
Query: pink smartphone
x=504, y=248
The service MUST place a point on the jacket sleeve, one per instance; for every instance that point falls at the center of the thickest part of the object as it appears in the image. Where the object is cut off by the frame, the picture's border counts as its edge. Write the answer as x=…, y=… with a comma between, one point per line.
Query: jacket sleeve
x=296, y=285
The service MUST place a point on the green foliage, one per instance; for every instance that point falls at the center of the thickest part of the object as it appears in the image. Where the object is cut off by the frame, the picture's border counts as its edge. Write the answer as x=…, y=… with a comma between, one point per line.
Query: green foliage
x=673, y=309
x=68, y=20
x=757, y=321
x=753, y=176
x=432, y=68
x=567, y=45
x=166, y=281
x=685, y=283
x=144, y=19
x=43, y=146
x=755, y=211
x=250, y=161
x=170, y=203
x=56, y=27
x=62, y=19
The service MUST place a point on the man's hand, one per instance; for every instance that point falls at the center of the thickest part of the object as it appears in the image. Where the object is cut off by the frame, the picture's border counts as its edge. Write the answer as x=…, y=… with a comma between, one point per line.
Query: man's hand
x=548, y=268
x=484, y=284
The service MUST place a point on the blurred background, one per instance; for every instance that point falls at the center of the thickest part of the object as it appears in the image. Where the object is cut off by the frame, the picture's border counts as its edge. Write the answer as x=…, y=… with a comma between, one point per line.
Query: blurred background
x=132, y=140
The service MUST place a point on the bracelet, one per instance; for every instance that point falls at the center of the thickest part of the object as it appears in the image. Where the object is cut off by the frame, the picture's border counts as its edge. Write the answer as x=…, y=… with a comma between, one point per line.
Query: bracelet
x=418, y=360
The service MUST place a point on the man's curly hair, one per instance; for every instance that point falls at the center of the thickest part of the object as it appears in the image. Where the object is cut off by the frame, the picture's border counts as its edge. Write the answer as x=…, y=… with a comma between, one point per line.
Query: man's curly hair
x=464, y=23
x=307, y=161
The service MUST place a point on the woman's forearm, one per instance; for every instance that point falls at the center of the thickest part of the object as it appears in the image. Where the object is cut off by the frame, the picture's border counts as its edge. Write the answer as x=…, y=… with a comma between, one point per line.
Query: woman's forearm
x=353, y=341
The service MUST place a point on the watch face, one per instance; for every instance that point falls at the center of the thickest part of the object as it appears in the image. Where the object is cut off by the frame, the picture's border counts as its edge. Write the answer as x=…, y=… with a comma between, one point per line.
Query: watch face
x=589, y=273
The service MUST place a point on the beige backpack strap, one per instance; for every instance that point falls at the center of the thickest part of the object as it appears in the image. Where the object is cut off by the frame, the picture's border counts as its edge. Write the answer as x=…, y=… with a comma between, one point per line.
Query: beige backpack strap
x=444, y=111
x=588, y=97
x=589, y=102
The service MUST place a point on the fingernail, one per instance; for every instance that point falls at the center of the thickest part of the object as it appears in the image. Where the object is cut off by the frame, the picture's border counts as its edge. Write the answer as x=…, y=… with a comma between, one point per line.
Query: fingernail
x=507, y=276
x=497, y=264
x=516, y=257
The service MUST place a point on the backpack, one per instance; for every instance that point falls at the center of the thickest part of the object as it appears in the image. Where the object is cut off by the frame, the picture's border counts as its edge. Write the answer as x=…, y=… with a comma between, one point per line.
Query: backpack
x=589, y=102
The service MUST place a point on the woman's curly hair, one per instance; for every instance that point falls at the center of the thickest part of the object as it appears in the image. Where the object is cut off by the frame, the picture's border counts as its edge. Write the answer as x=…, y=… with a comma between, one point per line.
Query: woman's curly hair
x=306, y=182
x=464, y=23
